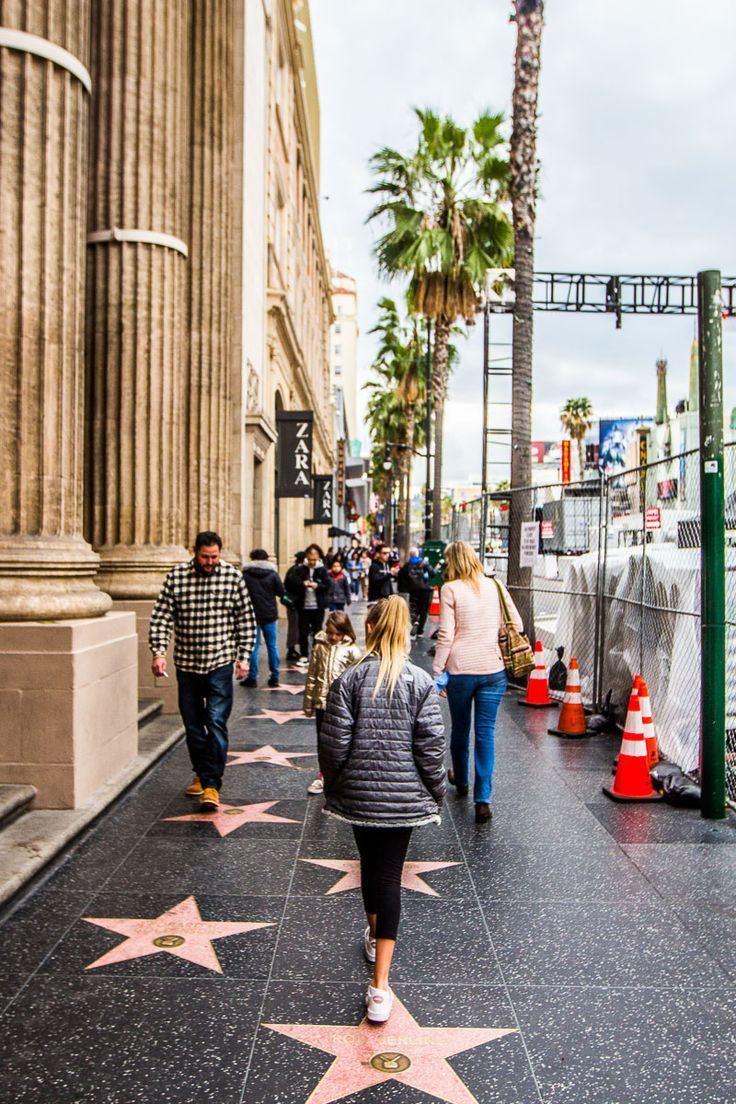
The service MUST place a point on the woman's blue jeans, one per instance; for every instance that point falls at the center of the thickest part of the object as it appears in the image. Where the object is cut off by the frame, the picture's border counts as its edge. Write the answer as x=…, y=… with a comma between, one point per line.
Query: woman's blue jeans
x=484, y=693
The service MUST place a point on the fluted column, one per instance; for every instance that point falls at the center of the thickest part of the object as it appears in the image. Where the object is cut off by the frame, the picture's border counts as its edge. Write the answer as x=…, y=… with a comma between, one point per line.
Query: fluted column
x=210, y=267
x=136, y=312
x=46, y=568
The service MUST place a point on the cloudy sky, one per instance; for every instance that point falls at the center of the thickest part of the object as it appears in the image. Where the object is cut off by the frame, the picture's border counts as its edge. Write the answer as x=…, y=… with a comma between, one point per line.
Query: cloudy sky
x=638, y=158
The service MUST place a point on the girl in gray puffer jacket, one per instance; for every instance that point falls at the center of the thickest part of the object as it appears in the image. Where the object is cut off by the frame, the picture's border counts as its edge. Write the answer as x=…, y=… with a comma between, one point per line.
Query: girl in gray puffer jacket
x=381, y=752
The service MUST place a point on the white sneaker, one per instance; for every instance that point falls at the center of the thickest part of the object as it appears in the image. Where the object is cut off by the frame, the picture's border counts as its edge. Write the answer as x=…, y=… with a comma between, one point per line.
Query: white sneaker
x=379, y=1003
x=316, y=787
x=369, y=946
x=302, y=662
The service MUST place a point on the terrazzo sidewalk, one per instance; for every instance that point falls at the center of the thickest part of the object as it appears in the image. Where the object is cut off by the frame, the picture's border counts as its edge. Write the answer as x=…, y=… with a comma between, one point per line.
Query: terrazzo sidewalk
x=572, y=952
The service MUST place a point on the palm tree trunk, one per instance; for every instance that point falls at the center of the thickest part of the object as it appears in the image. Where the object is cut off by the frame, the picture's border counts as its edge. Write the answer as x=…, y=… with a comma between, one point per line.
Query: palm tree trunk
x=439, y=394
x=581, y=459
x=405, y=532
x=523, y=161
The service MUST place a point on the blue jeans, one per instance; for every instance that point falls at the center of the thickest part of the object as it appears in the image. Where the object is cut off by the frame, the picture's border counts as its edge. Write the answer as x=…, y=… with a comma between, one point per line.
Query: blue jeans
x=270, y=634
x=485, y=693
x=205, y=702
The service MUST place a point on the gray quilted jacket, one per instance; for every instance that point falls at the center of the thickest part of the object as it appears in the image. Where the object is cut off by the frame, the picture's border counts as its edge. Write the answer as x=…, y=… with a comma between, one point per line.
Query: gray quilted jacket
x=383, y=759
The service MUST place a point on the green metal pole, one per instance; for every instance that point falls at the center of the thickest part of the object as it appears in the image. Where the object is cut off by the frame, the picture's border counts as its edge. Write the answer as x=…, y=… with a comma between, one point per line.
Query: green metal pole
x=713, y=553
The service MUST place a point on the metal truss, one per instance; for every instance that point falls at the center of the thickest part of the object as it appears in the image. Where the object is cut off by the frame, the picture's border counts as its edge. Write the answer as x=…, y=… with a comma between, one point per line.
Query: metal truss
x=600, y=293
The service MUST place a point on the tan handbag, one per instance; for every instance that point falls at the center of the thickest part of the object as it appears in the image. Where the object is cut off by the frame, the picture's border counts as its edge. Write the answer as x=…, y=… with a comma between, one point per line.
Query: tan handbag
x=516, y=651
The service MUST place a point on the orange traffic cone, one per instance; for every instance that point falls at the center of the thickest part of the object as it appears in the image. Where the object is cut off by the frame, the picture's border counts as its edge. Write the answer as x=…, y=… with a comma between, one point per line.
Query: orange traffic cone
x=572, y=715
x=632, y=781
x=537, y=690
x=647, y=721
x=434, y=606
x=636, y=684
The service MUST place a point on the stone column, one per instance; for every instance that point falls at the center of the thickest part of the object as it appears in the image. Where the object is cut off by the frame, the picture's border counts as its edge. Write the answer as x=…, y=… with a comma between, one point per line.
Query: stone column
x=46, y=567
x=136, y=302
x=210, y=269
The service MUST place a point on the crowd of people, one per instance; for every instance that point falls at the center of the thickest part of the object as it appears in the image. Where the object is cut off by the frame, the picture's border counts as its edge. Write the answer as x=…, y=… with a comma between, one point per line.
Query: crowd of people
x=380, y=733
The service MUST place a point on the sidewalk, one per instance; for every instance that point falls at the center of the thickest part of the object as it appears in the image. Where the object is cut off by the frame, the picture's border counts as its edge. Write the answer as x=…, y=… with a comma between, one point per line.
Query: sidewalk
x=573, y=952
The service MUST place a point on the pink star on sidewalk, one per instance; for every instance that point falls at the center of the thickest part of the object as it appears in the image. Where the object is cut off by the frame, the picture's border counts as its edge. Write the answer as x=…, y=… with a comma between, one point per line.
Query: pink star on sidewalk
x=399, y=1050
x=285, y=688
x=180, y=931
x=410, y=876
x=280, y=716
x=228, y=818
x=269, y=754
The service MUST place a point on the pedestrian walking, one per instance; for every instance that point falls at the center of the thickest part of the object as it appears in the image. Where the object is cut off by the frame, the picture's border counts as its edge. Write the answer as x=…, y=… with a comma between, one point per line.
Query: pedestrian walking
x=308, y=589
x=334, y=651
x=413, y=580
x=468, y=652
x=265, y=588
x=380, y=578
x=292, y=613
x=355, y=571
x=338, y=587
x=365, y=564
x=206, y=604
x=381, y=752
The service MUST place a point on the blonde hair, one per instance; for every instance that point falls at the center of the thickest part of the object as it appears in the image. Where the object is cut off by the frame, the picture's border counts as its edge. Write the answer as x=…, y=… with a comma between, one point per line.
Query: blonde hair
x=462, y=564
x=387, y=636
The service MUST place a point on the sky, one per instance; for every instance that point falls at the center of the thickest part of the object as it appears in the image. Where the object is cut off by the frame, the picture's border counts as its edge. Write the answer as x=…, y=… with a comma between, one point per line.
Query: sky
x=638, y=165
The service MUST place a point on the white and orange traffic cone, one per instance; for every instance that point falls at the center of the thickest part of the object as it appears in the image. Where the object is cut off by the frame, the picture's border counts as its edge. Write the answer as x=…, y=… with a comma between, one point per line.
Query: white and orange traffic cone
x=434, y=605
x=537, y=690
x=632, y=781
x=636, y=684
x=647, y=721
x=572, y=715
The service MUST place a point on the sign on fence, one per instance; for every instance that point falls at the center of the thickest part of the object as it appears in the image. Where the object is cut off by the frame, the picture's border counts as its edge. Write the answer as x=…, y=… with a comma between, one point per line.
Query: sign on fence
x=548, y=530
x=529, y=543
x=653, y=518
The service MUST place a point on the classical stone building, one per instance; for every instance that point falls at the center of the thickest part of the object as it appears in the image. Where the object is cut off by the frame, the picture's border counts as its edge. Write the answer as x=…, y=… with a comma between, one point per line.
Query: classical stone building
x=164, y=295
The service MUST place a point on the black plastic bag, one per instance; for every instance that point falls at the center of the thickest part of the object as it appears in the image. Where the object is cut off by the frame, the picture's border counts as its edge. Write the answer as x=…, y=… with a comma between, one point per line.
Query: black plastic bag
x=678, y=789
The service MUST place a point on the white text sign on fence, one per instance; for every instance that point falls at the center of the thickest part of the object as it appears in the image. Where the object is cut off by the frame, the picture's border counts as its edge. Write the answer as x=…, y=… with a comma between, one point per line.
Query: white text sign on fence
x=529, y=543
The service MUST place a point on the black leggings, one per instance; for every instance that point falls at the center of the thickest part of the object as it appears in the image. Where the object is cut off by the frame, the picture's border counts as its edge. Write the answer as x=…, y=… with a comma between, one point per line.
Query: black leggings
x=382, y=854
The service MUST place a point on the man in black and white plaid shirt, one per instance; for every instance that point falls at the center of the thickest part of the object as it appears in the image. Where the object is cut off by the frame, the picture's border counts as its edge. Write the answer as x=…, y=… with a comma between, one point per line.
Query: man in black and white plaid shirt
x=206, y=604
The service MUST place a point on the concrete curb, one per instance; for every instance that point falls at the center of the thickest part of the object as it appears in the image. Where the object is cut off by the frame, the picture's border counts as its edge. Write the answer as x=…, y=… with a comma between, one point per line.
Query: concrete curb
x=31, y=842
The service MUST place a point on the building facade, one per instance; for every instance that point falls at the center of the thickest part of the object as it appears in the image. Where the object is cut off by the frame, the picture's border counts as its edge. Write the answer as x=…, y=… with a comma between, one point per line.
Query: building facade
x=164, y=299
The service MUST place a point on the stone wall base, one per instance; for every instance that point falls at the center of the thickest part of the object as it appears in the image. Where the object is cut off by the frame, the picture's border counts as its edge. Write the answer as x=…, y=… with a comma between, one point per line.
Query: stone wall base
x=68, y=705
x=163, y=689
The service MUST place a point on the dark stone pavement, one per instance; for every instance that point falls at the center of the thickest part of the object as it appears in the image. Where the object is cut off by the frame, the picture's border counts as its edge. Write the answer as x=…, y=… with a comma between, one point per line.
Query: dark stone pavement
x=603, y=936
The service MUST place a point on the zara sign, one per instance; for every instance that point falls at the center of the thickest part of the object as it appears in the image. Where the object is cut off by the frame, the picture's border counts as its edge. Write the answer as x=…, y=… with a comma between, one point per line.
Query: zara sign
x=294, y=453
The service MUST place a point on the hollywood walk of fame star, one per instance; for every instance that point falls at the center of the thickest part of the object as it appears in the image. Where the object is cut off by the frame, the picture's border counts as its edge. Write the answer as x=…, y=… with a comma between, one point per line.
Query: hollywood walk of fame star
x=285, y=688
x=398, y=1050
x=280, y=716
x=269, y=754
x=180, y=931
x=228, y=818
x=410, y=875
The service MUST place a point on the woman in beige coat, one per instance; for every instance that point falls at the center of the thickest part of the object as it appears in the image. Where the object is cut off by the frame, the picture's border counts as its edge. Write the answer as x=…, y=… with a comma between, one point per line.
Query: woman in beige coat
x=468, y=651
x=334, y=651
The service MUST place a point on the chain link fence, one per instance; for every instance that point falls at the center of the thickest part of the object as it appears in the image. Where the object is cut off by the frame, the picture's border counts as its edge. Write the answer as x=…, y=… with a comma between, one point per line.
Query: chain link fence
x=616, y=583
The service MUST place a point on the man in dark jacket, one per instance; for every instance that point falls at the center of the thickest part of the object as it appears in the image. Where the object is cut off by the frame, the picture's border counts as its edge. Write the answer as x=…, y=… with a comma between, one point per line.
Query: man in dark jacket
x=380, y=579
x=265, y=588
x=308, y=590
x=414, y=581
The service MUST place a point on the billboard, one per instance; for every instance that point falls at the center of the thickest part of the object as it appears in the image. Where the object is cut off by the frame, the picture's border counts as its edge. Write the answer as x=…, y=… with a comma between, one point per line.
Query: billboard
x=615, y=436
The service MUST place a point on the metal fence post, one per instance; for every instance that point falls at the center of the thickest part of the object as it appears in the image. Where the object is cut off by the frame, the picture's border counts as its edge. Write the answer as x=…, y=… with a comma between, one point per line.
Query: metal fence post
x=713, y=554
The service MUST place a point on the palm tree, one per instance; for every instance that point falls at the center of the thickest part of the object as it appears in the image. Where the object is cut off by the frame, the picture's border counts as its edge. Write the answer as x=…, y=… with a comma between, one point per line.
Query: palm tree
x=576, y=418
x=396, y=410
x=447, y=226
x=528, y=15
